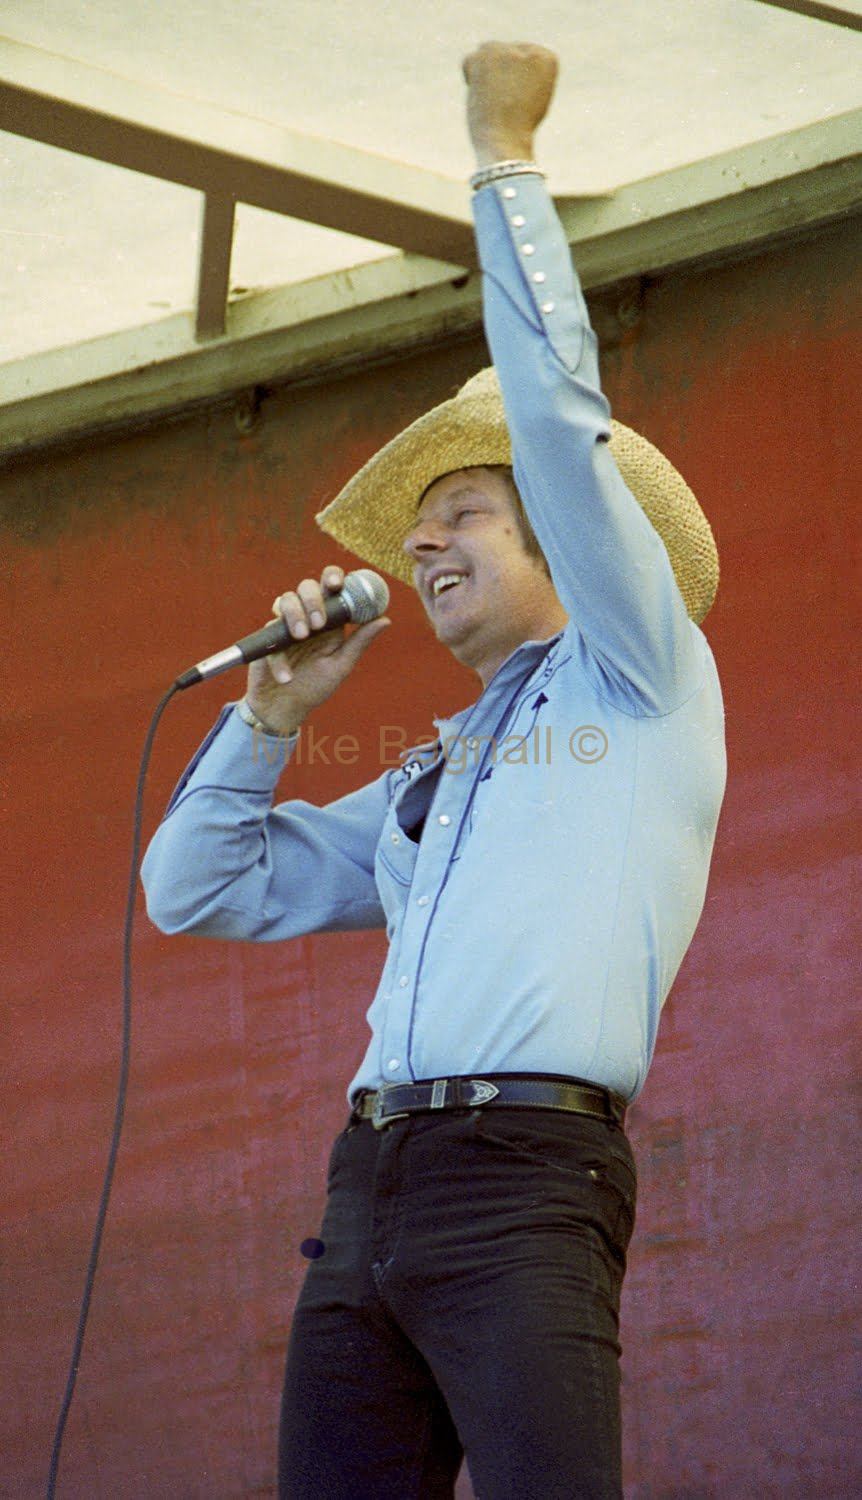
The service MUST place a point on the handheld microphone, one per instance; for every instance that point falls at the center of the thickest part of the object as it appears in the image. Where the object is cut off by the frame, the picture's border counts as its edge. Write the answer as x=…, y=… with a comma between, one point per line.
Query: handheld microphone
x=362, y=597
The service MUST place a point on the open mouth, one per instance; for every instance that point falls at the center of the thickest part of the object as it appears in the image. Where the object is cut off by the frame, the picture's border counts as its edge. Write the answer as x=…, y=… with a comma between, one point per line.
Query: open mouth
x=444, y=582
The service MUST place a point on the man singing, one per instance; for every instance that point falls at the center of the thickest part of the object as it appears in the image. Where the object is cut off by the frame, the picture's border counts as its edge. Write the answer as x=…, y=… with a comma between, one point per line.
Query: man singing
x=482, y=1193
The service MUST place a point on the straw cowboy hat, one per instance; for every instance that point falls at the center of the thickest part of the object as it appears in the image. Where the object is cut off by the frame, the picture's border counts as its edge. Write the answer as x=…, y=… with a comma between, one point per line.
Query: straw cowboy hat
x=376, y=509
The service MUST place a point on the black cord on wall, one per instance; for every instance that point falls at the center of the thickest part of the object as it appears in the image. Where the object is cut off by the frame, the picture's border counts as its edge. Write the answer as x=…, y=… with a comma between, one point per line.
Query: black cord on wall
x=122, y=1090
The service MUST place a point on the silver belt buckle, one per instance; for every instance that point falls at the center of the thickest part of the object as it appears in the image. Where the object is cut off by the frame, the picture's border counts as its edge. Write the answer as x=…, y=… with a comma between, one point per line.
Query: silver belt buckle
x=482, y=1093
x=472, y=1092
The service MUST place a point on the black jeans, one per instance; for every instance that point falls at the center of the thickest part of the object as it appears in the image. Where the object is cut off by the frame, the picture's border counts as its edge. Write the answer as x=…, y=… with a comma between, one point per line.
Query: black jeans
x=466, y=1301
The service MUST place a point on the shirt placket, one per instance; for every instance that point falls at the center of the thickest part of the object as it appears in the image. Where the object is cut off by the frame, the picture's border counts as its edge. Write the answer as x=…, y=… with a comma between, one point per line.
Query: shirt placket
x=437, y=849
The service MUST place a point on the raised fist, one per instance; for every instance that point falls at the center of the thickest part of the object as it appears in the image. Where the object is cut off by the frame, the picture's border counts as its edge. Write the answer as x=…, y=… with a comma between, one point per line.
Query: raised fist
x=509, y=90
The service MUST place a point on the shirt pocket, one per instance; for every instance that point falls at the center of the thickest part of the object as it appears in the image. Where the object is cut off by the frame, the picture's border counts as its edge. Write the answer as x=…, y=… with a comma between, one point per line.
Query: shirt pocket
x=394, y=863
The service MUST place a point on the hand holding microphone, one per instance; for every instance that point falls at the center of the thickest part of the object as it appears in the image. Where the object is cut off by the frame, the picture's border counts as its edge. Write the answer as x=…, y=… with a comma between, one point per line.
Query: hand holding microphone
x=299, y=660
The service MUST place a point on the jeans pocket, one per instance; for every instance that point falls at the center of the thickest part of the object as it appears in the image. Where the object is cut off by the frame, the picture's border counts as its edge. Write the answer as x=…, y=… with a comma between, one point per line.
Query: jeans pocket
x=593, y=1157
x=619, y=1182
x=572, y=1144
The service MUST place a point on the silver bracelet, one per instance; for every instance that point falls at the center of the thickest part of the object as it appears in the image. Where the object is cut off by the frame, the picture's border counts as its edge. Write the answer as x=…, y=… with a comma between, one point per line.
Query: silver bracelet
x=499, y=169
x=249, y=717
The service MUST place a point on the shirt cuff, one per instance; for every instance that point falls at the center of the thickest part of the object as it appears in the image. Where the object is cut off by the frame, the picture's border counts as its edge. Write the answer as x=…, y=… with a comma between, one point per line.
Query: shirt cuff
x=524, y=254
x=236, y=757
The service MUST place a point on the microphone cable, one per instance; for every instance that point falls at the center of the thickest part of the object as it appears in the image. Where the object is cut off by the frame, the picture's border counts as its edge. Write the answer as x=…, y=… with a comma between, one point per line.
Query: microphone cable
x=365, y=599
x=122, y=1091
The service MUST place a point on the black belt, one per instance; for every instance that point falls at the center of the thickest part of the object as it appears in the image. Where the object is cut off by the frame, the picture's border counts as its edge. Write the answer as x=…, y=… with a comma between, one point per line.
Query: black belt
x=394, y=1101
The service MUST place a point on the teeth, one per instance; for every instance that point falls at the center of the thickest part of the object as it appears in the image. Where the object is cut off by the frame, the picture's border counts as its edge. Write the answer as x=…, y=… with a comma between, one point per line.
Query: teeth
x=445, y=581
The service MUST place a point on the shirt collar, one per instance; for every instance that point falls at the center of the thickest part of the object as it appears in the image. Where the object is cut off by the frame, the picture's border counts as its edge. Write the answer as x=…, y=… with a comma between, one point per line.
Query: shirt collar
x=508, y=680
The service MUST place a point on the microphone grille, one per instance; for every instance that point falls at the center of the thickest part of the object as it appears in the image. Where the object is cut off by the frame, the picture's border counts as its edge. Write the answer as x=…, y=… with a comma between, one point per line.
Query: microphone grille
x=365, y=594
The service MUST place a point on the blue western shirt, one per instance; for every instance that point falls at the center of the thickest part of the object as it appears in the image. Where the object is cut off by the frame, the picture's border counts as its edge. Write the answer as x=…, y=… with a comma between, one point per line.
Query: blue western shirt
x=538, y=922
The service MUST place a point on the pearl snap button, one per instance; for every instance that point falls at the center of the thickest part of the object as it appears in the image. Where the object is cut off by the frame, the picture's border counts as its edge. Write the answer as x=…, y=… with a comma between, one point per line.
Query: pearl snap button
x=528, y=249
x=547, y=307
x=395, y=838
x=393, y=1064
x=539, y=277
x=404, y=981
x=444, y=820
x=518, y=220
x=510, y=192
x=423, y=901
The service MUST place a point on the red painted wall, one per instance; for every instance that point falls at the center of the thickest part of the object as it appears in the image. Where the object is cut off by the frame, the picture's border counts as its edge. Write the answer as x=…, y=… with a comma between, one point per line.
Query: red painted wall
x=131, y=556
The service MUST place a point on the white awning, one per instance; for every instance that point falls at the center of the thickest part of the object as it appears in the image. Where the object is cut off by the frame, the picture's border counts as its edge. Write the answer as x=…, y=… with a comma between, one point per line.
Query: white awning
x=203, y=197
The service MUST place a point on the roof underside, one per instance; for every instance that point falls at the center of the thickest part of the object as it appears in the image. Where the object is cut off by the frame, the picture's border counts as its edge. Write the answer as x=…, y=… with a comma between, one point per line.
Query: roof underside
x=206, y=196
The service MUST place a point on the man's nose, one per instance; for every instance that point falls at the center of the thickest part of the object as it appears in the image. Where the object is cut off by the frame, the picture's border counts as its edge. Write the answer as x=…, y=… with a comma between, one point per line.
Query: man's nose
x=427, y=536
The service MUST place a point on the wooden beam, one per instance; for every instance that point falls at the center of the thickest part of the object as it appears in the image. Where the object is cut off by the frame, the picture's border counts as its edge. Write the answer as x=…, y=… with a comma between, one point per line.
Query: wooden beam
x=837, y=14
x=216, y=244
x=721, y=206
x=95, y=113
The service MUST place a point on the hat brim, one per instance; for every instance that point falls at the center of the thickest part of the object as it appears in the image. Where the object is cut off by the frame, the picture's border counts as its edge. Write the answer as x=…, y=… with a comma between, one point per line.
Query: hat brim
x=376, y=510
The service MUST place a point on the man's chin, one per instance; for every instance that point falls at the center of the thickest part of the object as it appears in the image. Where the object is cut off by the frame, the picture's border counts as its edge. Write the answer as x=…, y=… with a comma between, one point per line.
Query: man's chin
x=450, y=628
